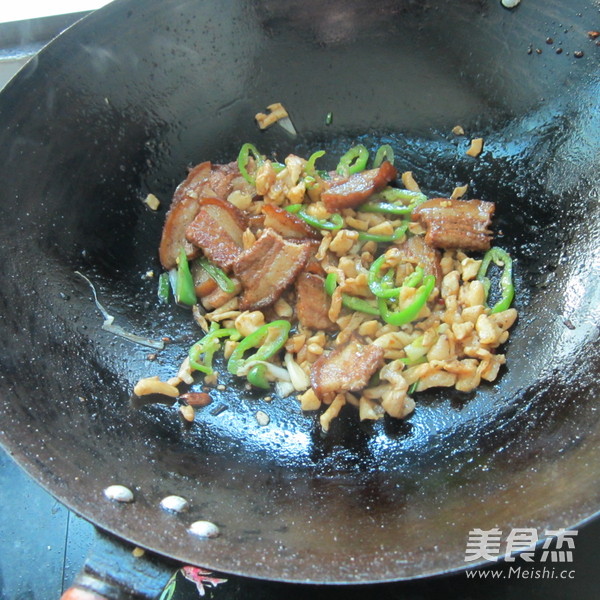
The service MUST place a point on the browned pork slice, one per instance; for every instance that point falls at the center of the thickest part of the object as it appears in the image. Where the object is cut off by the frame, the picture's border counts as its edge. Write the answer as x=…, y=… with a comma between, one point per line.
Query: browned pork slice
x=204, y=180
x=268, y=267
x=189, y=187
x=210, y=294
x=224, y=179
x=218, y=229
x=173, y=238
x=460, y=224
x=312, y=304
x=417, y=251
x=217, y=181
x=355, y=190
x=204, y=284
x=348, y=367
x=287, y=224
x=217, y=297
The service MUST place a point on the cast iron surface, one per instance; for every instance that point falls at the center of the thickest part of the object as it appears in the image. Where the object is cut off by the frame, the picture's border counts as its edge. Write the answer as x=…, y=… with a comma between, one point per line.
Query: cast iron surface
x=118, y=106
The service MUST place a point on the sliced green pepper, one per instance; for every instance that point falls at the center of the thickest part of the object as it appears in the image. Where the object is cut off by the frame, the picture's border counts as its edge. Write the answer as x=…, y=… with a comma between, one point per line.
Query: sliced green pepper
x=380, y=285
x=388, y=279
x=310, y=182
x=330, y=283
x=335, y=223
x=243, y=158
x=256, y=340
x=502, y=259
x=218, y=275
x=408, y=314
x=351, y=302
x=415, y=278
x=163, y=288
x=185, y=292
x=374, y=237
x=354, y=161
x=207, y=346
x=310, y=168
x=410, y=362
x=413, y=388
x=257, y=377
x=385, y=152
x=393, y=201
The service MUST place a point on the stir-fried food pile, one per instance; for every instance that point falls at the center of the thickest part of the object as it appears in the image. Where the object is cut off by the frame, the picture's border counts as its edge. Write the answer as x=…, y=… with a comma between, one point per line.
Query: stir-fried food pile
x=340, y=287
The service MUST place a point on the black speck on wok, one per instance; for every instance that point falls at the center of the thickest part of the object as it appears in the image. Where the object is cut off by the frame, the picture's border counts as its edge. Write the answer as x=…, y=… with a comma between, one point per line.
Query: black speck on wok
x=120, y=105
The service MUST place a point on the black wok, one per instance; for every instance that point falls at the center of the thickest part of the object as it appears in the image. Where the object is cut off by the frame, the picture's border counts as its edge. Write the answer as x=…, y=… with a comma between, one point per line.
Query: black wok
x=121, y=104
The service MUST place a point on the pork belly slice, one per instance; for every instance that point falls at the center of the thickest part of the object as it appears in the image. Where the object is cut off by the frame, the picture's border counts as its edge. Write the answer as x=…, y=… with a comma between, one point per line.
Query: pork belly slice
x=203, y=180
x=355, y=190
x=347, y=368
x=210, y=294
x=217, y=181
x=460, y=224
x=417, y=251
x=268, y=267
x=204, y=284
x=224, y=179
x=218, y=229
x=189, y=187
x=287, y=224
x=217, y=297
x=173, y=238
x=312, y=304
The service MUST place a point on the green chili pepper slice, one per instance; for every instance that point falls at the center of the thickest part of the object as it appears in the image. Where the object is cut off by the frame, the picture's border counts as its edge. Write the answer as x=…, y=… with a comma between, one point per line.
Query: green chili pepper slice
x=373, y=237
x=335, y=223
x=351, y=302
x=354, y=161
x=410, y=362
x=502, y=259
x=243, y=158
x=413, y=388
x=330, y=283
x=388, y=279
x=378, y=284
x=309, y=167
x=310, y=182
x=218, y=275
x=393, y=202
x=408, y=314
x=163, y=288
x=256, y=340
x=257, y=377
x=359, y=305
x=185, y=292
x=207, y=346
x=385, y=152
x=415, y=278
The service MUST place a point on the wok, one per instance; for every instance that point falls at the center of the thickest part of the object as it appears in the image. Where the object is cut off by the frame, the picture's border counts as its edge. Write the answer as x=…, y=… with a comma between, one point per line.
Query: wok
x=119, y=106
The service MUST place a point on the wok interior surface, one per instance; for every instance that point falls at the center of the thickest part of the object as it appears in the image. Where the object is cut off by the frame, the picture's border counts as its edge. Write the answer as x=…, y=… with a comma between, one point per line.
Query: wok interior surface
x=120, y=105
